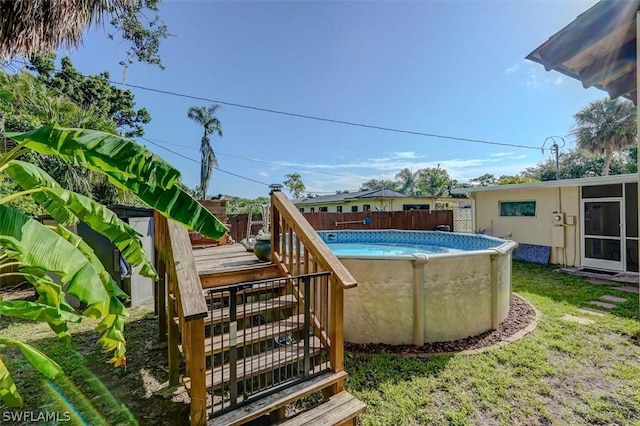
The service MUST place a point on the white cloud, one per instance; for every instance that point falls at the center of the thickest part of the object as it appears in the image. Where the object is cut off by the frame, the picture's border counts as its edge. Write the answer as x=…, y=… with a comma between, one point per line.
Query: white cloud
x=533, y=75
x=326, y=178
x=263, y=174
x=531, y=78
x=512, y=69
x=406, y=154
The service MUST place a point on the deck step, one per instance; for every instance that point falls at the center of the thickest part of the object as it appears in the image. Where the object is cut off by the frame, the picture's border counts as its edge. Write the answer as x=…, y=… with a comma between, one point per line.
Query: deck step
x=254, y=334
x=244, y=273
x=339, y=409
x=257, y=289
x=278, y=400
x=250, y=309
x=260, y=363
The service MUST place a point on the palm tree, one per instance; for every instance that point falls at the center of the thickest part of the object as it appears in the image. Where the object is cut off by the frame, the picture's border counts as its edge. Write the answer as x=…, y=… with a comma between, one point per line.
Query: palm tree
x=205, y=116
x=407, y=181
x=28, y=26
x=605, y=125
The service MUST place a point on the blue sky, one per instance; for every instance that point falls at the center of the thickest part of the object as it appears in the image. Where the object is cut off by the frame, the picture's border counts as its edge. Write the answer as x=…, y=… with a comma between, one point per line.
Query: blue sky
x=452, y=68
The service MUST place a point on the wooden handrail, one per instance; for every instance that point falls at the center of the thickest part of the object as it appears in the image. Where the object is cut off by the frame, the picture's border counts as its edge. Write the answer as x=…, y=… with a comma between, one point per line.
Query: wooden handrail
x=309, y=237
x=192, y=299
x=186, y=301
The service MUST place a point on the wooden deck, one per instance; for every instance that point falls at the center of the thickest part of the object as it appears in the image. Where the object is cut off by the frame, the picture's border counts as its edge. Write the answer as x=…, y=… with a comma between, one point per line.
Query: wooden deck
x=219, y=259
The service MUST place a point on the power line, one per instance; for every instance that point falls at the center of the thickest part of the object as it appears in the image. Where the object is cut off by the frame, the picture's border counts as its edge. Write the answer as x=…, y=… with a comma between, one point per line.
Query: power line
x=273, y=163
x=198, y=162
x=324, y=119
x=316, y=118
x=56, y=89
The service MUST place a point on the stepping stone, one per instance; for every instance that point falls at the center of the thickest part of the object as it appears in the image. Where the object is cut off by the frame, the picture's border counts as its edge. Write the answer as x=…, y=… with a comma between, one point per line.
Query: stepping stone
x=604, y=305
x=579, y=320
x=627, y=289
x=597, y=281
x=592, y=311
x=613, y=299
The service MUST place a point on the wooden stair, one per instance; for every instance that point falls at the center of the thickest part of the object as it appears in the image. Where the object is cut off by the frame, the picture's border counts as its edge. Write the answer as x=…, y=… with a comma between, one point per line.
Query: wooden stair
x=255, y=365
x=341, y=408
x=282, y=340
x=278, y=400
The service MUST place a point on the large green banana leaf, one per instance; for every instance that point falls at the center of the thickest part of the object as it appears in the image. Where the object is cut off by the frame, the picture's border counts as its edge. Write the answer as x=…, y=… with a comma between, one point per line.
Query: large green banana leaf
x=112, y=311
x=174, y=203
x=45, y=365
x=35, y=311
x=129, y=166
x=8, y=391
x=67, y=207
x=51, y=293
x=100, y=151
x=34, y=245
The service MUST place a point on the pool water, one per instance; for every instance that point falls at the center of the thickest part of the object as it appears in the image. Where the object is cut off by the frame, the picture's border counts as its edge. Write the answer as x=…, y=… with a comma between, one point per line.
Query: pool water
x=389, y=249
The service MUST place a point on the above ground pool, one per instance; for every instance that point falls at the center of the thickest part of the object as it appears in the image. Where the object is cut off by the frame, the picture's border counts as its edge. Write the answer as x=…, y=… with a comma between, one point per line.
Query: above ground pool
x=417, y=287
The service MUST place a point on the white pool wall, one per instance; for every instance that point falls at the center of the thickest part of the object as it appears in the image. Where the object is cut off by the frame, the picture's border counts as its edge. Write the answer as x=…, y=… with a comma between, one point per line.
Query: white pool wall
x=428, y=298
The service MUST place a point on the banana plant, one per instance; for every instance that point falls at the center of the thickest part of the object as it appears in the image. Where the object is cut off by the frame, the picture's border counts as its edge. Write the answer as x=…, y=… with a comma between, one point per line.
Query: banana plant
x=59, y=263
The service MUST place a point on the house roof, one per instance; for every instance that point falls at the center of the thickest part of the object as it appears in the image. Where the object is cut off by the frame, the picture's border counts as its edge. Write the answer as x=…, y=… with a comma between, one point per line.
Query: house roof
x=598, y=48
x=596, y=180
x=351, y=196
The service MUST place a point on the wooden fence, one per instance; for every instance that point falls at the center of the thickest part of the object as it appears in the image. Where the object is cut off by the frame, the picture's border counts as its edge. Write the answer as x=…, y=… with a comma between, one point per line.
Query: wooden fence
x=421, y=220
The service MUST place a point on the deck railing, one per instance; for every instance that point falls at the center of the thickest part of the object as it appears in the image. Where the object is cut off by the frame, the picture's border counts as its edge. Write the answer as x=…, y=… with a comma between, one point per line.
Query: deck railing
x=182, y=305
x=262, y=339
x=297, y=250
x=180, y=289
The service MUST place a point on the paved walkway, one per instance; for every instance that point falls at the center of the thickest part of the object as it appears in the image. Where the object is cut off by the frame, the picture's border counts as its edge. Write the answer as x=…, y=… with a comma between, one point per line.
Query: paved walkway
x=626, y=282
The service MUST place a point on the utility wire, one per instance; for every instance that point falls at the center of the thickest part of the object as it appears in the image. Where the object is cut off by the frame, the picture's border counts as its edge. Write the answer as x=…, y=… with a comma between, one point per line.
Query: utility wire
x=273, y=163
x=198, y=162
x=324, y=119
x=148, y=140
x=312, y=117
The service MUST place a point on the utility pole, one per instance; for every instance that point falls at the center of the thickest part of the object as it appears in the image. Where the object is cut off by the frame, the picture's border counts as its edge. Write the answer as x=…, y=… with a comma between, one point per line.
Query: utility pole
x=555, y=149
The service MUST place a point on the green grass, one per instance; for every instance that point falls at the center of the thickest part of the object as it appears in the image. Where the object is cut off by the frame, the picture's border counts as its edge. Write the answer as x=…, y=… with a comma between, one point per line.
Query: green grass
x=562, y=373
x=92, y=392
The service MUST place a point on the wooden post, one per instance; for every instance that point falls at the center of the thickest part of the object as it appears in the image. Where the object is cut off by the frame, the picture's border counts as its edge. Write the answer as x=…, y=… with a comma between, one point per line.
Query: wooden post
x=172, y=344
x=638, y=112
x=197, y=373
x=161, y=301
x=336, y=332
x=160, y=296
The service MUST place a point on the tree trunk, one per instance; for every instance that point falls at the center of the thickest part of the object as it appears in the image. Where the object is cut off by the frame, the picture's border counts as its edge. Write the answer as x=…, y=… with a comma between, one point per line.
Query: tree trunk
x=608, y=152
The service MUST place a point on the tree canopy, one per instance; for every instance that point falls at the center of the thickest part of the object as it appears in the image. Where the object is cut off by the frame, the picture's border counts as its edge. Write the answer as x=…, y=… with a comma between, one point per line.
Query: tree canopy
x=95, y=94
x=29, y=27
x=604, y=126
x=293, y=182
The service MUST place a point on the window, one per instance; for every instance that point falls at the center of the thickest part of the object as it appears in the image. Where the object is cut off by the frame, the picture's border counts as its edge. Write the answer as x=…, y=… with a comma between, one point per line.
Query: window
x=354, y=208
x=339, y=209
x=415, y=207
x=518, y=208
x=322, y=209
x=602, y=191
x=301, y=209
x=366, y=208
x=313, y=209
